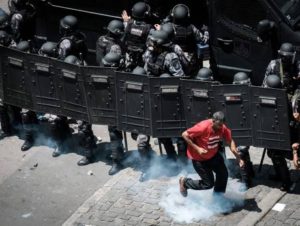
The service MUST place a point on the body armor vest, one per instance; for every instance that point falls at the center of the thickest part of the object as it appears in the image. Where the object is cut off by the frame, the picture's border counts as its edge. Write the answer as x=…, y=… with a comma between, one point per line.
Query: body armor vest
x=184, y=37
x=136, y=36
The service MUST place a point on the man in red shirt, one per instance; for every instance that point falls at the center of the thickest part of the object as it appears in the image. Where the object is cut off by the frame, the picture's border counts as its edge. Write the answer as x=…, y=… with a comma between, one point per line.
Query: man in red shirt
x=203, y=149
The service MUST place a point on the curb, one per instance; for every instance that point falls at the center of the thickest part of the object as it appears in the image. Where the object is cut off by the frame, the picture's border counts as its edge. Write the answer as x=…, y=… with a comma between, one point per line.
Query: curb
x=265, y=205
x=92, y=201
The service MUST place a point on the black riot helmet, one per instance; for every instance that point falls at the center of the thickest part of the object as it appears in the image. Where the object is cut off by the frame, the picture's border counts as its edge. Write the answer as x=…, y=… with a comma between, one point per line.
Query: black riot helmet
x=111, y=59
x=165, y=75
x=23, y=46
x=19, y=4
x=273, y=81
x=159, y=38
x=140, y=10
x=71, y=59
x=5, y=38
x=139, y=71
x=180, y=13
x=48, y=49
x=4, y=19
x=205, y=75
x=241, y=78
x=116, y=27
x=68, y=24
x=287, y=53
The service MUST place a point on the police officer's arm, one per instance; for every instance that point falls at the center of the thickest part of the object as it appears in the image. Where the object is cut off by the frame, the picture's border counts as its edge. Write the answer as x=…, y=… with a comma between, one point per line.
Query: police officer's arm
x=295, y=148
x=233, y=149
x=190, y=142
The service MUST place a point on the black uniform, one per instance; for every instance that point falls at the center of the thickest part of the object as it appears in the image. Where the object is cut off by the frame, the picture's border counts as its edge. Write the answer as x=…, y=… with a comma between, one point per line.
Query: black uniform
x=22, y=20
x=9, y=125
x=111, y=42
x=186, y=36
x=283, y=73
x=136, y=33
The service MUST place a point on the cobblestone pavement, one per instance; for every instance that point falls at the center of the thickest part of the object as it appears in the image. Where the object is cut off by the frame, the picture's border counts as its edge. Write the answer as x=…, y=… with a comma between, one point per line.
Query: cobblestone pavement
x=126, y=201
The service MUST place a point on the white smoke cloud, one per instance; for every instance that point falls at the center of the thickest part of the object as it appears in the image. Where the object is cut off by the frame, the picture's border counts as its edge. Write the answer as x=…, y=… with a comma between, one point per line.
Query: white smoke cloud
x=200, y=205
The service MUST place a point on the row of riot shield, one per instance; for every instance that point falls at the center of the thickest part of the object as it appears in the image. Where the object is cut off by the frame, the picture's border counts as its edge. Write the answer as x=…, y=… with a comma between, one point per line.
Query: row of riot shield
x=161, y=107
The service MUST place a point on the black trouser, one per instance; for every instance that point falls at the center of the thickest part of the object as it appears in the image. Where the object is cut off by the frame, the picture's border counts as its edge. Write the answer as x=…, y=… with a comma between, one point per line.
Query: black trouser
x=8, y=125
x=247, y=171
x=30, y=123
x=86, y=139
x=116, y=143
x=60, y=130
x=280, y=166
x=170, y=149
x=205, y=170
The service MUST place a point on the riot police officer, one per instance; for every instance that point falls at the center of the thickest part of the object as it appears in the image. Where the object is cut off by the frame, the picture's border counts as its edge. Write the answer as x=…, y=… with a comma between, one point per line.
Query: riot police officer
x=187, y=36
x=113, y=59
x=85, y=132
x=136, y=32
x=86, y=136
x=205, y=75
x=59, y=127
x=285, y=67
x=159, y=57
x=247, y=172
x=111, y=42
x=29, y=118
x=22, y=22
x=72, y=41
x=48, y=49
x=8, y=125
x=278, y=156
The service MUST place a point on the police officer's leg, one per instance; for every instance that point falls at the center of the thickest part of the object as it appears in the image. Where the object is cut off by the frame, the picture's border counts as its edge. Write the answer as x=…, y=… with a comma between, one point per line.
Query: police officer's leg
x=247, y=172
x=60, y=131
x=221, y=172
x=181, y=148
x=143, y=145
x=280, y=167
x=169, y=147
x=16, y=118
x=117, y=150
x=6, y=129
x=30, y=123
x=87, y=142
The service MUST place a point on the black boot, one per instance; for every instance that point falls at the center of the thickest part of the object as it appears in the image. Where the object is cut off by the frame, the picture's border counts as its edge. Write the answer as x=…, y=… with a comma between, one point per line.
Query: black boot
x=57, y=152
x=115, y=168
x=27, y=145
x=4, y=134
x=84, y=161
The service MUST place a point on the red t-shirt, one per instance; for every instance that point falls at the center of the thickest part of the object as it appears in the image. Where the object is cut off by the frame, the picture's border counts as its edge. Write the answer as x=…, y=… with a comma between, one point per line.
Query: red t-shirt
x=205, y=137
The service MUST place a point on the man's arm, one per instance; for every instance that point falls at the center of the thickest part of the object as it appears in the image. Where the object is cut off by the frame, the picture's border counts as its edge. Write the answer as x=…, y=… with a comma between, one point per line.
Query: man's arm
x=233, y=149
x=190, y=142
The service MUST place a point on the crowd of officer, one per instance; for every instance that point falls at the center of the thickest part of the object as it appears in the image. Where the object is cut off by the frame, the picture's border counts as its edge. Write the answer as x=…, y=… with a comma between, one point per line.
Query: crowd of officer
x=144, y=43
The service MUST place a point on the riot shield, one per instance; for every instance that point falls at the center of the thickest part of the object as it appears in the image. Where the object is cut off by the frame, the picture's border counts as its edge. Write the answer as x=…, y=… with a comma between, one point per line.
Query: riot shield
x=197, y=101
x=71, y=90
x=234, y=101
x=16, y=78
x=270, y=118
x=45, y=89
x=100, y=86
x=133, y=103
x=2, y=57
x=166, y=107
